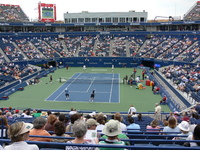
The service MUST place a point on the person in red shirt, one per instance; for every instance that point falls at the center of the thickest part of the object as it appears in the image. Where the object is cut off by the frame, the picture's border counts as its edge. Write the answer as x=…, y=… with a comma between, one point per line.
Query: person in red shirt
x=156, y=90
x=163, y=99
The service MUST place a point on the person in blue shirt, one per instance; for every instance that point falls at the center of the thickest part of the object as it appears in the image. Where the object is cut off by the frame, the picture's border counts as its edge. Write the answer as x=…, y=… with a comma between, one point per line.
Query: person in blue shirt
x=67, y=93
x=133, y=126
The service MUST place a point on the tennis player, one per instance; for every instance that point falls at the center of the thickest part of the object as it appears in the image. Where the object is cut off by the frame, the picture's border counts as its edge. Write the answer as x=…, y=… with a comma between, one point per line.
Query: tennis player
x=67, y=93
x=92, y=96
x=113, y=68
x=84, y=68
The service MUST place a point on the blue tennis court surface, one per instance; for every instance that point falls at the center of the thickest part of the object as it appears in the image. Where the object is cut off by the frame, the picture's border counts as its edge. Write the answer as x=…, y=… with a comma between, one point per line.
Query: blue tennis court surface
x=81, y=85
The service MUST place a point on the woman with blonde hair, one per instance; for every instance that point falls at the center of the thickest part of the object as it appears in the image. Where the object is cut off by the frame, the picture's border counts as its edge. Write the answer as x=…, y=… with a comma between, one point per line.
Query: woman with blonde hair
x=172, y=126
x=154, y=126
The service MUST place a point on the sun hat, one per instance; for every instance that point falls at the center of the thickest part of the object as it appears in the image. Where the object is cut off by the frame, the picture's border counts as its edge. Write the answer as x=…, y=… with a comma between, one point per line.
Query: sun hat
x=91, y=122
x=112, y=128
x=184, y=125
x=25, y=128
x=44, y=114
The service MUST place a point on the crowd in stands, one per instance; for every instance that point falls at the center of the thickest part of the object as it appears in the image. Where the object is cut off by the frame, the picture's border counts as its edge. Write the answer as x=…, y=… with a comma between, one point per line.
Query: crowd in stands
x=135, y=45
x=74, y=128
x=194, y=13
x=12, y=13
x=119, y=46
x=87, y=46
x=10, y=72
x=161, y=47
x=72, y=44
x=29, y=49
x=186, y=78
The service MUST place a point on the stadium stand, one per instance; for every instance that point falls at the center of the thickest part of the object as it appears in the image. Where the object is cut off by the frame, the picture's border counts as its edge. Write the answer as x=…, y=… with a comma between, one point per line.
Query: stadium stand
x=193, y=13
x=12, y=13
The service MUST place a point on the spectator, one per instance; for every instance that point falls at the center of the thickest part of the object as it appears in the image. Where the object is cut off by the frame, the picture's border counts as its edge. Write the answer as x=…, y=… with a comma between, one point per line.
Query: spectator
x=73, y=111
x=28, y=115
x=132, y=110
x=38, y=129
x=154, y=126
x=133, y=126
x=164, y=100
x=73, y=118
x=5, y=127
x=59, y=130
x=16, y=114
x=51, y=120
x=112, y=129
x=79, y=131
x=118, y=117
x=37, y=114
x=172, y=126
x=195, y=136
x=185, y=130
x=91, y=130
x=101, y=120
x=19, y=133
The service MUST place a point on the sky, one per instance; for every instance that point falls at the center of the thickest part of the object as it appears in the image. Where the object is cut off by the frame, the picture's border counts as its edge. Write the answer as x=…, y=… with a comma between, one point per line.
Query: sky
x=154, y=8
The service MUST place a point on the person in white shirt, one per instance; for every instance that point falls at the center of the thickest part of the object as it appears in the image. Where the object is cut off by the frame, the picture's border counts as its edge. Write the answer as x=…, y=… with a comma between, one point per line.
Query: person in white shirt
x=132, y=110
x=19, y=133
x=84, y=68
x=157, y=111
x=113, y=68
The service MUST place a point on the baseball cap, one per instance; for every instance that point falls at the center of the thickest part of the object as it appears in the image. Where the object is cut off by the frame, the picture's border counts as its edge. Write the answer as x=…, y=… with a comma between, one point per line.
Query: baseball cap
x=184, y=125
x=91, y=122
x=16, y=111
x=25, y=128
x=112, y=128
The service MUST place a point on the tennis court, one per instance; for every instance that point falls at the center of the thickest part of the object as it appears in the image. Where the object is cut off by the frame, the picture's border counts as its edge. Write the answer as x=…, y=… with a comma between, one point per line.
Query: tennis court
x=80, y=86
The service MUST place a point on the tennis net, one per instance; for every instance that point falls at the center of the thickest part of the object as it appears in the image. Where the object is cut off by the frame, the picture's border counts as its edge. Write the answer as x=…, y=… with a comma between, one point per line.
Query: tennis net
x=91, y=80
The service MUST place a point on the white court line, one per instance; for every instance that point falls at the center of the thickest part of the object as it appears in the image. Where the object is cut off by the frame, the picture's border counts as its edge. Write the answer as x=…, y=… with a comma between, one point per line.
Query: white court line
x=119, y=89
x=67, y=86
x=90, y=84
x=85, y=92
x=111, y=88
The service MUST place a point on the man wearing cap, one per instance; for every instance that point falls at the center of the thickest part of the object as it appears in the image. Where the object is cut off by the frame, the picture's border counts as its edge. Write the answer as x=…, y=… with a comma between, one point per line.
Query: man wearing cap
x=157, y=113
x=112, y=130
x=19, y=133
x=16, y=114
x=91, y=128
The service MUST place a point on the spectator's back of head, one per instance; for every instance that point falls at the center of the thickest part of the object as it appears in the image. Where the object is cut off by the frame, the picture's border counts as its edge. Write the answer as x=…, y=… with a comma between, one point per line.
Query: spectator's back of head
x=118, y=117
x=196, y=135
x=79, y=128
x=59, y=128
x=74, y=117
x=62, y=117
x=131, y=120
x=172, y=122
x=39, y=122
